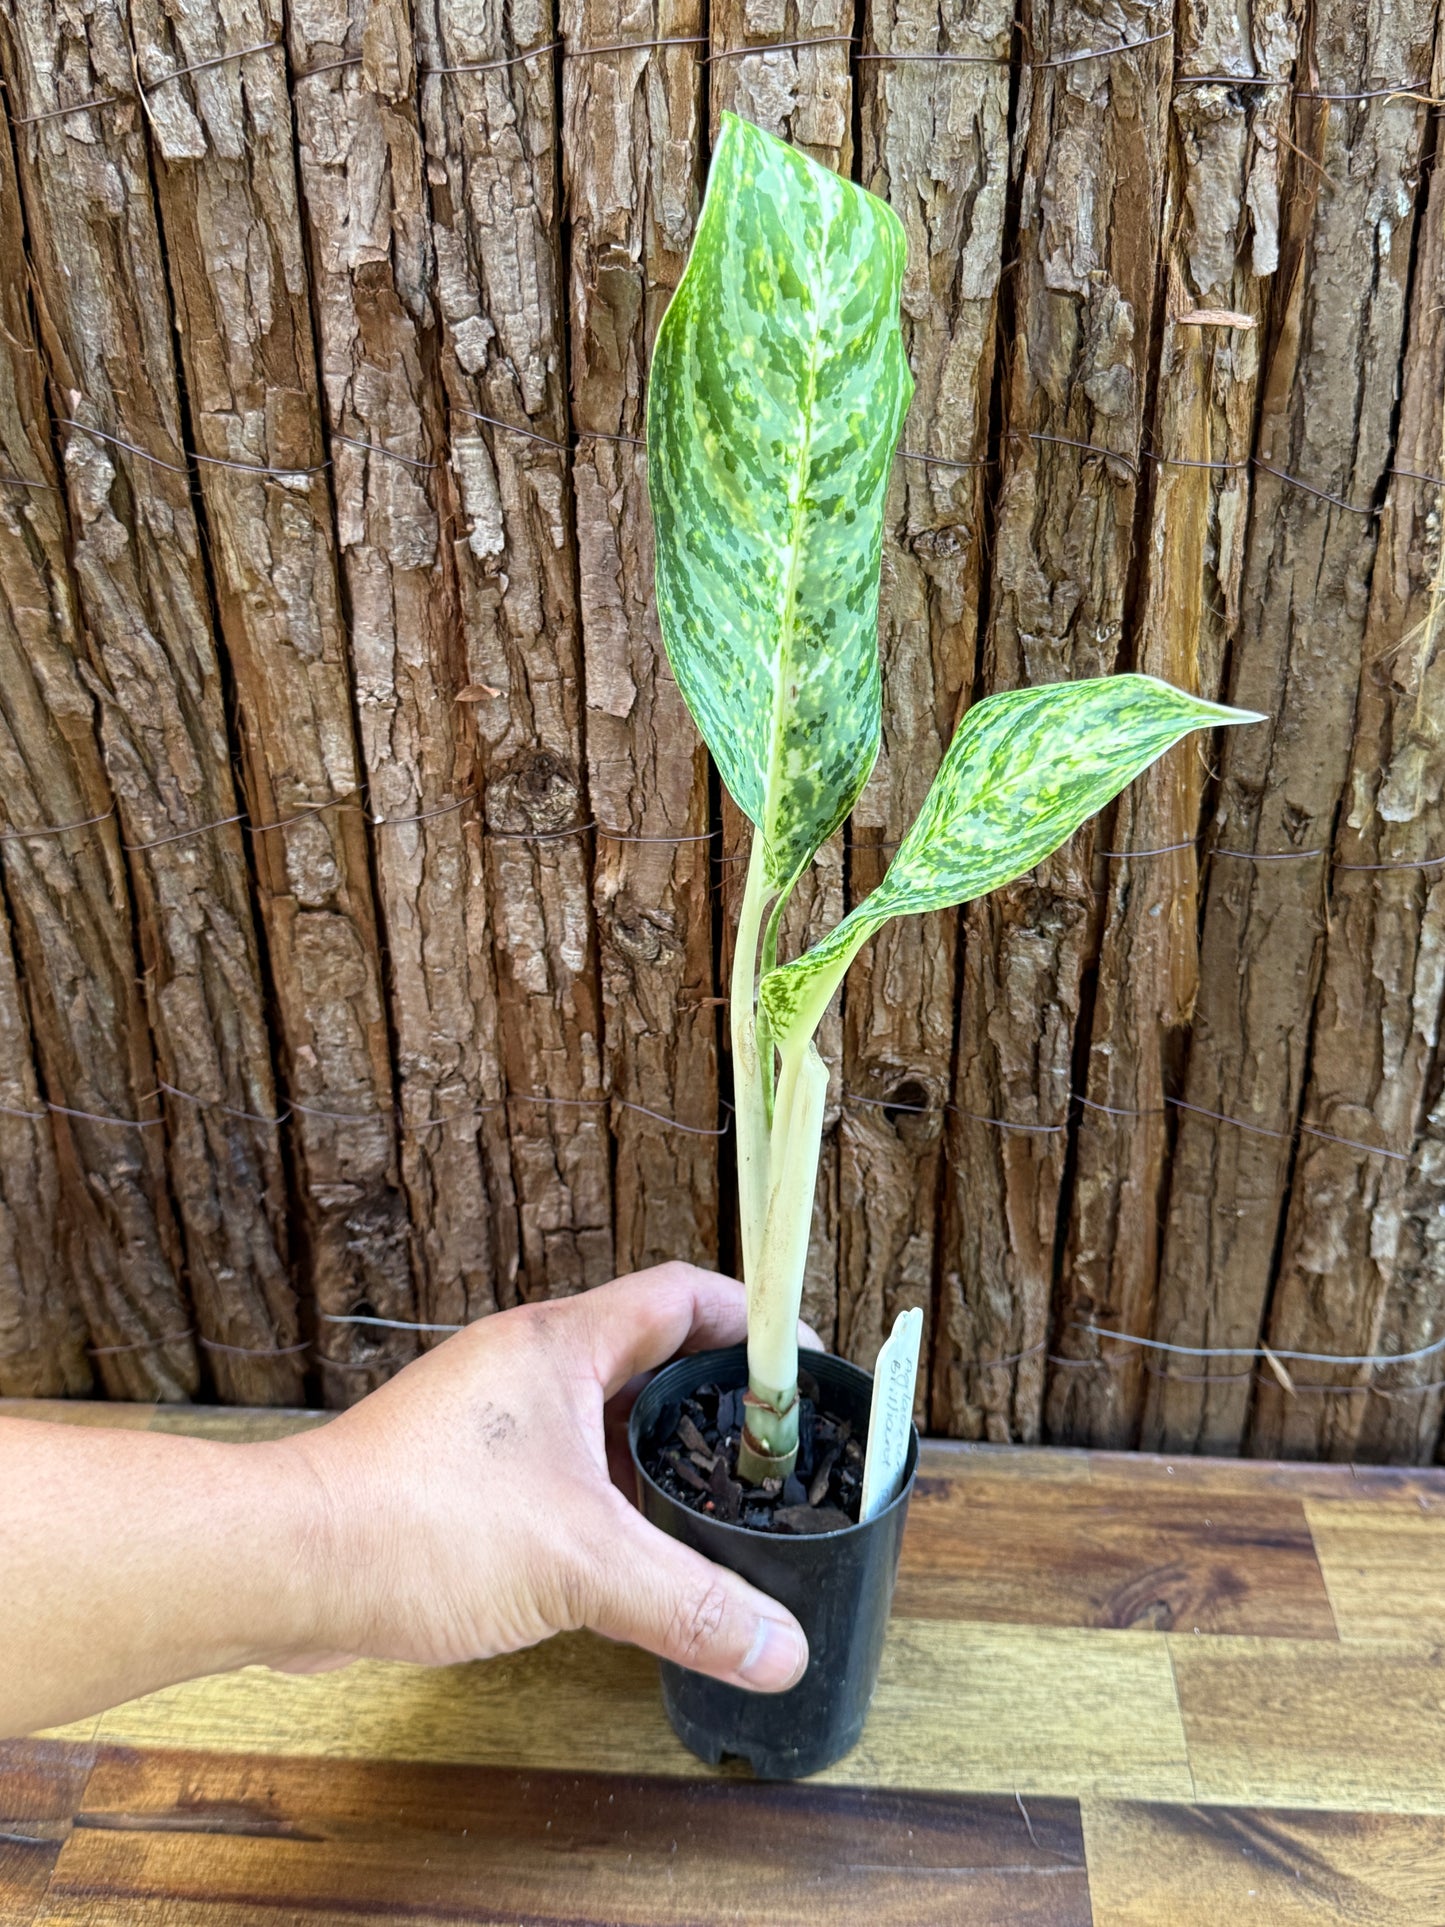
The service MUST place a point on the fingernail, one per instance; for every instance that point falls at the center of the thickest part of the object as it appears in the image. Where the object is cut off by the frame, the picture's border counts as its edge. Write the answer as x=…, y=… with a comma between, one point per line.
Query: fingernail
x=776, y=1659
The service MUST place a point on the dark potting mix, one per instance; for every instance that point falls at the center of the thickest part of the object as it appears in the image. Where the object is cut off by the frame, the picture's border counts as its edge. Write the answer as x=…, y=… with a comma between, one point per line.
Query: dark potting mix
x=693, y=1456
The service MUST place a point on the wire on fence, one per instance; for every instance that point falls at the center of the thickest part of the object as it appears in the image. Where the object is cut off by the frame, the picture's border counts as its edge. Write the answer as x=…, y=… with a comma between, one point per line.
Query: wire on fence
x=569, y=447
x=56, y=829
x=1302, y=1129
x=329, y=66
x=941, y=57
x=204, y=66
x=783, y=46
x=1065, y=441
x=215, y=1104
x=142, y=1344
x=1265, y=1352
x=373, y=1322
x=1163, y=849
x=1308, y=488
x=491, y=66
x=347, y=801
x=1372, y=1360
x=254, y=1351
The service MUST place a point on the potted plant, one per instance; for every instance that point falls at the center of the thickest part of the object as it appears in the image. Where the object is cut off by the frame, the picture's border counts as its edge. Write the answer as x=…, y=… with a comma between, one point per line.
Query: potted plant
x=779, y=386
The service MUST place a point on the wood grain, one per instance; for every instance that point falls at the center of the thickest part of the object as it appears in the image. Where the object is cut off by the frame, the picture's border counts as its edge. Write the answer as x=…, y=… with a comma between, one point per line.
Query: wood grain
x=1280, y=1776
x=41, y=1784
x=1298, y=654
x=1089, y=150
x=120, y=1413
x=803, y=94
x=1296, y=1723
x=237, y=1426
x=958, y=1705
x=253, y=1838
x=1384, y=1566
x=1165, y=1558
x=1184, y=1866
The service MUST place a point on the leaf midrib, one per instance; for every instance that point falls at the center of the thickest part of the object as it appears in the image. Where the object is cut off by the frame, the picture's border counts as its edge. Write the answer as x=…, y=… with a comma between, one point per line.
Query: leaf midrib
x=790, y=598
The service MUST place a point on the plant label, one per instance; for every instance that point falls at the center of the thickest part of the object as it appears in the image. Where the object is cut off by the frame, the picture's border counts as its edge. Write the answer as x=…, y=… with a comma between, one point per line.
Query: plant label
x=891, y=1414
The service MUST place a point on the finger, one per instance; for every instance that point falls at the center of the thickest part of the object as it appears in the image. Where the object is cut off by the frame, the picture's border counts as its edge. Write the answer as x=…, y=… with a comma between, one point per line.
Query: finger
x=639, y=1322
x=649, y=1590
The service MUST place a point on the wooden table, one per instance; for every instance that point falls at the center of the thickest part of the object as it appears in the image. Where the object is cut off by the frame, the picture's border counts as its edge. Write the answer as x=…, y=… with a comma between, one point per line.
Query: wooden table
x=1118, y=1690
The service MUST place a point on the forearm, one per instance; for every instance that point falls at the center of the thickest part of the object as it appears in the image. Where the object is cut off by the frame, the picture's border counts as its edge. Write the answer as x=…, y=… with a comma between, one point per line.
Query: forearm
x=130, y=1561
x=462, y=1510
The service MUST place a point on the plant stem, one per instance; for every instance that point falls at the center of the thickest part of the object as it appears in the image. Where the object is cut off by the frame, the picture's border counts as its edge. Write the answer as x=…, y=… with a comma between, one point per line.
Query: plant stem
x=775, y=1294
x=749, y=1091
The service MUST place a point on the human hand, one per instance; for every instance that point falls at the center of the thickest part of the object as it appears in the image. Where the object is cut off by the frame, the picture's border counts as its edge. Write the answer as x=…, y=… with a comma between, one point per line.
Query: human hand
x=468, y=1508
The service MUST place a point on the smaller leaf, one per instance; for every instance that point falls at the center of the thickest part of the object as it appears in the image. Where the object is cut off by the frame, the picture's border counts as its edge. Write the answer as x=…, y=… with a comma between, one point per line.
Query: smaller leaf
x=1023, y=771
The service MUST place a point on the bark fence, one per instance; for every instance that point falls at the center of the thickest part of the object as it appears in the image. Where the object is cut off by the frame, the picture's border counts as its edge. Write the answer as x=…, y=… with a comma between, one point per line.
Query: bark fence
x=365, y=889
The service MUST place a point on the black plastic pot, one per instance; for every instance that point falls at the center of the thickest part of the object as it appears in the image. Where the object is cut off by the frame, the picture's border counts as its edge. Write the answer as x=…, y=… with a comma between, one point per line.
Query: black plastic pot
x=838, y=1585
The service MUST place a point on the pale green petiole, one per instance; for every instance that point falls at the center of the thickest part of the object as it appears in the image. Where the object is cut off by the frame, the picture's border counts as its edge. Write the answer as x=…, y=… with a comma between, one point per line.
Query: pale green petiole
x=776, y=1290
x=777, y=1172
x=750, y=1092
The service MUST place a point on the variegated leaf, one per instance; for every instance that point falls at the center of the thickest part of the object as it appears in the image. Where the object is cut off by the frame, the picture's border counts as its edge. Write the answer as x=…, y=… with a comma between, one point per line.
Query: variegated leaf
x=778, y=388
x=1023, y=771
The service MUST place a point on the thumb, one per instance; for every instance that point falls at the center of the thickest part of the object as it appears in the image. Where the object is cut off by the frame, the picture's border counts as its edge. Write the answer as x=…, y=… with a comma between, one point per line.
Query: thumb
x=646, y=1588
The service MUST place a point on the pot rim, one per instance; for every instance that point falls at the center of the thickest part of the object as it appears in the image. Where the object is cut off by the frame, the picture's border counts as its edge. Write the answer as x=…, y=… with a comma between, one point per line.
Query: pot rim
x=751, y=1532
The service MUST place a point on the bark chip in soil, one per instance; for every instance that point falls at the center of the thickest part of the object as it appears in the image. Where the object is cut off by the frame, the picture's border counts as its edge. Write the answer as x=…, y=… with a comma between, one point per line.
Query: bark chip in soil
x=693, y=1456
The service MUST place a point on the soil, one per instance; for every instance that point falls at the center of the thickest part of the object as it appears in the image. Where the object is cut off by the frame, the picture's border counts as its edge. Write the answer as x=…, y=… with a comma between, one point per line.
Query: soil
x=693, y=1456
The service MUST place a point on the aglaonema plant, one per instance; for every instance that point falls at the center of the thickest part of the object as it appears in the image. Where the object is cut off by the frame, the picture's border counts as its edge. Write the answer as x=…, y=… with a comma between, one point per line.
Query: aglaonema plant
x=779, y=386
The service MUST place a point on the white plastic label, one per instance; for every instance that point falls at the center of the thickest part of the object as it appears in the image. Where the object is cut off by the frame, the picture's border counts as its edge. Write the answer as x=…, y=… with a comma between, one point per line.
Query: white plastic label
x=891, y=1414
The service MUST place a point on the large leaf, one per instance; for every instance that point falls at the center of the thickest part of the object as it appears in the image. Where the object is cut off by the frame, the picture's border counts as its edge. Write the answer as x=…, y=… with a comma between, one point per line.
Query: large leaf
x=1023, y=771
x=778, y=388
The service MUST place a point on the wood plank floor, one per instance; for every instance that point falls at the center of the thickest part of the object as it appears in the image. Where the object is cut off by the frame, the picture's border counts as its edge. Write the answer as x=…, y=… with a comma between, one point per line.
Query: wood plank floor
x=1118, y=1690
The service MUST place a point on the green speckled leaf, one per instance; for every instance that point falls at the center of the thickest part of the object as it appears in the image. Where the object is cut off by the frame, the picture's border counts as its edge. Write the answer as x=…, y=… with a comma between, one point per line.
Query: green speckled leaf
x=1024, y=770
x=778, y=388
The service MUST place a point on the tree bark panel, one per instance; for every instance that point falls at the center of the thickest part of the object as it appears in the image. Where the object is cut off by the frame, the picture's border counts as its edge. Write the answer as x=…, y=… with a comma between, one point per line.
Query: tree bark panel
x=494, y=194
x=41, y=1332
x=1089, y=151
x=1360, y=1266
x=935, y=146
x=1326, y=411
x=113, y=1251
x=803, y=94
x=152, y=666
x=632, y=125
x=362, y=178
x=1219, y=252
x=226, y=188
